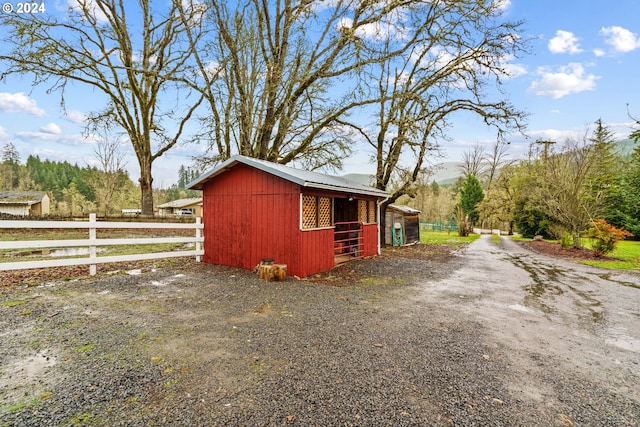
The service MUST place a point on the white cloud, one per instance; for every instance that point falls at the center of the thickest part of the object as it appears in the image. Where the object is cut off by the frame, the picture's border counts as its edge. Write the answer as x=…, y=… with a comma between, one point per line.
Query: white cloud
x=599, y=52
x=46, y=135
x=19, y=103
x=514, y=70
x=556, y=135
x=566, y=80
x=193, y=10
x=213, y=69
x=3, y=133
x=79, y=7
x=51, y=128
x=502, y=4
x=391, y=26
x=564, y=42
x=76, y=116
x=621, y=39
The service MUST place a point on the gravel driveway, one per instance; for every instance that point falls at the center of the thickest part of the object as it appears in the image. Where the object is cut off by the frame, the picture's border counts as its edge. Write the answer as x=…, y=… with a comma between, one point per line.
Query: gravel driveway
x=489, y=335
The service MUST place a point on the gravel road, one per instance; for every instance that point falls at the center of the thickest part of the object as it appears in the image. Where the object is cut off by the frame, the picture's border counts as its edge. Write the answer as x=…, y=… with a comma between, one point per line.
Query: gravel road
x=487, y=335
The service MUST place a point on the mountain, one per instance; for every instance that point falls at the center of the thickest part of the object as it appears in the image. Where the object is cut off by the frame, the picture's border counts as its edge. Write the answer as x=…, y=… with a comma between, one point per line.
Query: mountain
x=361, y=178
x=625, y=147
x=447, y=173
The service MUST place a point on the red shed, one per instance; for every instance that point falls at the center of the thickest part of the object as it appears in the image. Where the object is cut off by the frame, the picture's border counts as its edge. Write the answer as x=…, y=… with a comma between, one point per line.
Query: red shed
x=255, y=210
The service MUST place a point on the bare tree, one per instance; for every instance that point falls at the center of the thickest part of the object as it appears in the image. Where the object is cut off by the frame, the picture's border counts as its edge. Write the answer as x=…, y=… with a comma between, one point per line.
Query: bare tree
x=473, y=161
x=496, y=209
x=133, y=53
x=564, y=191
x=283, y=77
x=458, y=48
x=496, y=160
x=111, y=157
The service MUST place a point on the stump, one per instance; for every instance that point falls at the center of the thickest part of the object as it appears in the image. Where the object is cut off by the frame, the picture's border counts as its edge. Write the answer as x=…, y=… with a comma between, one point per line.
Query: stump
x=272, y=272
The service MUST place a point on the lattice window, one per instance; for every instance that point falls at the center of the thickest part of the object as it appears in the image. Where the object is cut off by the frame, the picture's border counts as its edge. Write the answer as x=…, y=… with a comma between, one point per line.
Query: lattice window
x=362, y=210
x=324, y=212
x=309, y=212
x=372, y=212
x=316, y=211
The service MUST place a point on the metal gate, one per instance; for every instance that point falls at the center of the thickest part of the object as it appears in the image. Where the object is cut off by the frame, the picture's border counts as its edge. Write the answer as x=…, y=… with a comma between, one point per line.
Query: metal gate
x=348, y=243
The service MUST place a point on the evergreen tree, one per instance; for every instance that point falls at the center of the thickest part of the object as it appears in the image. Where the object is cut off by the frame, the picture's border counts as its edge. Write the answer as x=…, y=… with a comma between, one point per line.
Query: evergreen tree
x=603, y=182
x=9, y=171
x=629, y=209
x=470, y=195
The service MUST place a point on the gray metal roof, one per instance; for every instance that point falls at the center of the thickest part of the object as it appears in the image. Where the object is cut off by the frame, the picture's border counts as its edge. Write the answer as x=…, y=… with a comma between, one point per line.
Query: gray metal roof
x=179, y=203
x=21, y=197
x=405, y=209
x=301, y=177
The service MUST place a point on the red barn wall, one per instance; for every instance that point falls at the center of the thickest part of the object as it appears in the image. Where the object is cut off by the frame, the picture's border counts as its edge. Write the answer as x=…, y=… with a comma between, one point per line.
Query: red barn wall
x=250, y=215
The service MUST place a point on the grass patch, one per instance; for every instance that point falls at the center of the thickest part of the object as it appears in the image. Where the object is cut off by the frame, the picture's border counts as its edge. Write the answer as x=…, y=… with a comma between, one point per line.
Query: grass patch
x=81, y=419
x=85, y=348
x=446, y=238
x=13, y=303
x=627, y=254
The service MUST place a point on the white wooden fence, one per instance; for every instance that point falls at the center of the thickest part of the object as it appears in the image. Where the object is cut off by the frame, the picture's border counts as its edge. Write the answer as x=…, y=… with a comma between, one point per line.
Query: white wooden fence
x=92, y=242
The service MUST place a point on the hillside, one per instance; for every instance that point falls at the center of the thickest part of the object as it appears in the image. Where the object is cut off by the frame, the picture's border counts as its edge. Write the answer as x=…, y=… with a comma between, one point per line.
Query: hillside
x=625, y=147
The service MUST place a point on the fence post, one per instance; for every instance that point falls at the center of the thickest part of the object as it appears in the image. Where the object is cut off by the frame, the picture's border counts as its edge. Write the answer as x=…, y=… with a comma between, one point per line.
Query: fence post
x=198, y=235
x=92, y=242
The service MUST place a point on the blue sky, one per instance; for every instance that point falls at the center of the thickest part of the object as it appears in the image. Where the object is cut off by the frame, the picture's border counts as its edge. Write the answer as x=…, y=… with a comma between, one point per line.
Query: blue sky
x=584, y=64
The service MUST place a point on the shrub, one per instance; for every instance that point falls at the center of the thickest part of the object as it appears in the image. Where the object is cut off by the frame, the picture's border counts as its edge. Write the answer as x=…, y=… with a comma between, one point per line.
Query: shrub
x=605, y=236
x=464, y=225
x=566, y=240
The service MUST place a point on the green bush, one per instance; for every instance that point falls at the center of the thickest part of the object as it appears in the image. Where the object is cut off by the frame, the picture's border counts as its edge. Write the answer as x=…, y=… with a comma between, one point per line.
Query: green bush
x=566, y=241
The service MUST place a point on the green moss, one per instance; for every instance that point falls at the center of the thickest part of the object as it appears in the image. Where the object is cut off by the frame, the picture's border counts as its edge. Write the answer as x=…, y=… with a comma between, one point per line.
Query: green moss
x=81, y=419
x=373, y=281
x=13, y=303
x=85, y=348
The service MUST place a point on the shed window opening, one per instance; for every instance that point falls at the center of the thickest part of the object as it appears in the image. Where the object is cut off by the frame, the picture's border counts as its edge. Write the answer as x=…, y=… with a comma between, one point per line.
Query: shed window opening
x=367, y=212
x=316, y=212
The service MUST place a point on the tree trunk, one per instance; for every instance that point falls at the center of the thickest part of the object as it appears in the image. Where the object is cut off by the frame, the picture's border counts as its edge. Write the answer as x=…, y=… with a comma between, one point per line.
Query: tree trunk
x=146, y=188
x=577, y=239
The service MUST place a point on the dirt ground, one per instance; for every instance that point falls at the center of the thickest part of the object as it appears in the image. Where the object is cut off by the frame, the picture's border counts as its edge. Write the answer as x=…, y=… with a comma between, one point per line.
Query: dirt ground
x=489, y=334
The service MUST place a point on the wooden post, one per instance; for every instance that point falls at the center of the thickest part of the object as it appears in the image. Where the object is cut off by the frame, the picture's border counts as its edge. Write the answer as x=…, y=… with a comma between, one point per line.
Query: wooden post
x=198, y=235
x=92, y=242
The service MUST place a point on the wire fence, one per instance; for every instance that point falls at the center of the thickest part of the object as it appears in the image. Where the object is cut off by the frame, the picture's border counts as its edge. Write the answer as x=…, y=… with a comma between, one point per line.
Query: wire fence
x=438, y=226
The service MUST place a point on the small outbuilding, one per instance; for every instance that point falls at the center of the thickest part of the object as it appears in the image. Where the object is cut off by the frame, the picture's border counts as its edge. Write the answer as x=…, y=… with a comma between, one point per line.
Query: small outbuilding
x=24, y=203
x=255, y=210
x=402, y=225
x=190, y=206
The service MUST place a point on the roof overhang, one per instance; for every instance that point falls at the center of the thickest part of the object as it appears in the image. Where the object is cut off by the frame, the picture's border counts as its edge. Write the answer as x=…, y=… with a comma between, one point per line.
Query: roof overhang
x=303, y=178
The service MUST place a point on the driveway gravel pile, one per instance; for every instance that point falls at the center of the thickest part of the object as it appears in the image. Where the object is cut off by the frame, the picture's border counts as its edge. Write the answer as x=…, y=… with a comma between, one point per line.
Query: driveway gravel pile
x=362, y=345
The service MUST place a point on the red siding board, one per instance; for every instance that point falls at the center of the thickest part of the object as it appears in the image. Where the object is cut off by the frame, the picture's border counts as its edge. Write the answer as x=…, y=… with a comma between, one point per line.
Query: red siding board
x=316, y=251
x=370, y=239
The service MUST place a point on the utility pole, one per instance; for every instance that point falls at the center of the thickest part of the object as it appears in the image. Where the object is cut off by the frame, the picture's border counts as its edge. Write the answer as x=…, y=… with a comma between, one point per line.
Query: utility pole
x=546, y=148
